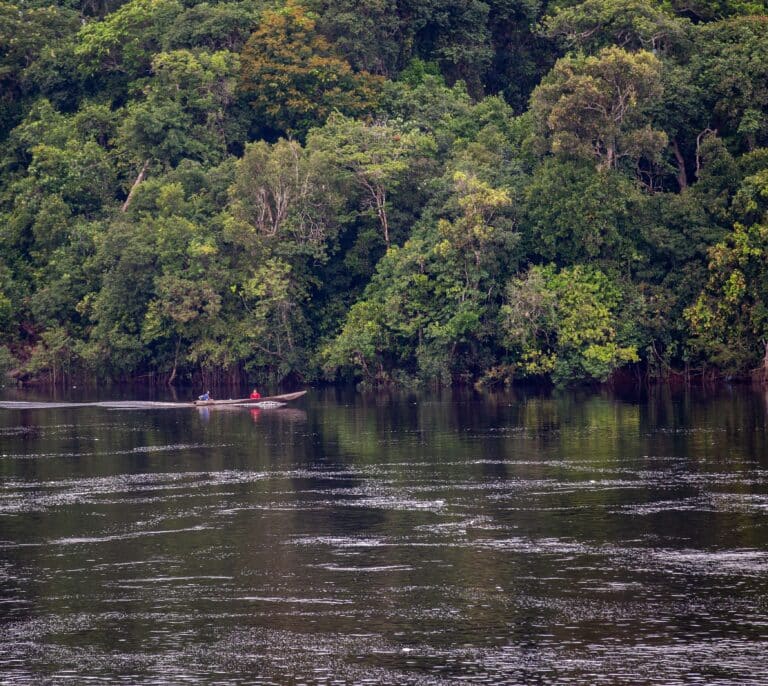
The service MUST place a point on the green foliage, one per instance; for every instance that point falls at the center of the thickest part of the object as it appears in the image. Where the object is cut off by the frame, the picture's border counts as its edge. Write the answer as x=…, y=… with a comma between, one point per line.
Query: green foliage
x=566, y=324
x=629, y=24
x=729, y=320
x=28, y=37
x=366, y=33
x=362, y=343
x=709, y=10
x=596, y=107
x=53, y=356
x=576, y=214
x=395, y=191
x=212, y=26
x=730, y=62
x=283, y=196
x=183, y=113
x=7, y=362
x=429, y=299
x=6, y=312
x=750, y=204
x=376, y=158
x=123, y=44
x=294, y=78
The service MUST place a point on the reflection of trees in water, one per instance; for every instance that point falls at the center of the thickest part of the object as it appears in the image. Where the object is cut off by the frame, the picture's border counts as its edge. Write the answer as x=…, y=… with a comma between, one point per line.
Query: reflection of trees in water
x=539, y=534
x=594, y=450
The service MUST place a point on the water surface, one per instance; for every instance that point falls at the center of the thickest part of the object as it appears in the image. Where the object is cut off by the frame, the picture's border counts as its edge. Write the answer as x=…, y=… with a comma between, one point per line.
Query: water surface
x=568, y=539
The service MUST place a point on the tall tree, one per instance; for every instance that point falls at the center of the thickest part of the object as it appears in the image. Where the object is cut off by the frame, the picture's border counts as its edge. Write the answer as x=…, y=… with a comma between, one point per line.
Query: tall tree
x=183, y=112
x=286, y=195
x=574, y=213
x=369, y=34
x=124, y=43
x=26, y=35
x=597, y=107
x=730, y=64
x=627, y=24
x=729, y=320
x=294, y=78
x=377, y=157
x=567, y=324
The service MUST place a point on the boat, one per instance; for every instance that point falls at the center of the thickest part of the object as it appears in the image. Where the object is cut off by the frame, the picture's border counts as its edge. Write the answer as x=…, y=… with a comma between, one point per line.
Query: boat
x=284, y=398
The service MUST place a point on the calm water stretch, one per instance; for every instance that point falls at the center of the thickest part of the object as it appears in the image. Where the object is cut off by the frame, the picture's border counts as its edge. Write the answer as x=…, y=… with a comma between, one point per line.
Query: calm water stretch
x=532, y=539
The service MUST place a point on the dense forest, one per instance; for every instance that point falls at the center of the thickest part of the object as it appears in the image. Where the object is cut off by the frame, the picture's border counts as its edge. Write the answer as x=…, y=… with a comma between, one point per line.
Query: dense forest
x=390, y=191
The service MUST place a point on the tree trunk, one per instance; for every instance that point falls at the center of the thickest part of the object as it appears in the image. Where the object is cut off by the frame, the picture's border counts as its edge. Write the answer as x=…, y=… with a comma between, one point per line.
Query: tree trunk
x=699, y=139
x=381, y=201
x=172, y=378
x=765, y=361
x=682, y=177
x=136, y=184
x=379, y=197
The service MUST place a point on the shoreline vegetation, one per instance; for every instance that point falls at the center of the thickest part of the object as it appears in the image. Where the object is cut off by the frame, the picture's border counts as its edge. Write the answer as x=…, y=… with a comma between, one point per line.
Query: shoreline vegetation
x=627, y=379
x=398, y=193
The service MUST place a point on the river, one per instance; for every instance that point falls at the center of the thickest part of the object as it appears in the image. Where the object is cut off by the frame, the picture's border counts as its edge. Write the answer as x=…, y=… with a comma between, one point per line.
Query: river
x=531, y=538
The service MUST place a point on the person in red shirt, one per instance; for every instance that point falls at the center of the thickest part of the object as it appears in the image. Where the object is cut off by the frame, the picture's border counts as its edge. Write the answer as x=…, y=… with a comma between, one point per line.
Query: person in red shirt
x=255, y=395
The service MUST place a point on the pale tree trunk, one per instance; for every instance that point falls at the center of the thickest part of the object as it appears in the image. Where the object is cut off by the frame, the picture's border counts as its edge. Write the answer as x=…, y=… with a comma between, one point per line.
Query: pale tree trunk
x=706, y=132
x=175, y=363
x=379, y=196
x=135, y=185
x=682, y=177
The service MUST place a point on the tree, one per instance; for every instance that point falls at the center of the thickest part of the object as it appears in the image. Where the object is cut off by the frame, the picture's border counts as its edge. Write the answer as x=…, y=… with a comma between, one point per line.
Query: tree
x=261, y=327
x=26, y=34
x=596, y=107
x=377, y=157
x=627, y=24
x=125, y=266
x=730, y=64
x=471, y=238
x=423, y=100
x=566, y=324
x=457, y=34
x=361, y=344
x=125, y=42
x=62, y=173
x=712, y=10
x=294, y=78
x=729, y=320
x=286, y=196
x=683, y=116
x=425, y=311
x=750, y=203
x=574, y=213
x=183, y=309
x=183, y=112
x=718, y=178
x=212, y=27
x=368, y=34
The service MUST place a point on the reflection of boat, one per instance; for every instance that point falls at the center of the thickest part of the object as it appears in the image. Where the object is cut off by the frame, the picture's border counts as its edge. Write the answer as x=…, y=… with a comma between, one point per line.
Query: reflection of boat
x=266, y=402
x=258, y=414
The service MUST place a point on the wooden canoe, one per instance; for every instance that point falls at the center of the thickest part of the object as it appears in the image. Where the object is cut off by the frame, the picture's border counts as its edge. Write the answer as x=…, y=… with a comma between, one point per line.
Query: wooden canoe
x=250, y=401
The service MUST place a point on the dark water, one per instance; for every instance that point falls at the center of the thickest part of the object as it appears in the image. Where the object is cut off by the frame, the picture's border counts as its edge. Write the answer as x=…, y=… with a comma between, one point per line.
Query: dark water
x=565, y=539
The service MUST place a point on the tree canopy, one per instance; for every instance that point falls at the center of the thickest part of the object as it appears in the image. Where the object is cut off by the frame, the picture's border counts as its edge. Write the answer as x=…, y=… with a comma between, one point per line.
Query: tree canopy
x=392, y=192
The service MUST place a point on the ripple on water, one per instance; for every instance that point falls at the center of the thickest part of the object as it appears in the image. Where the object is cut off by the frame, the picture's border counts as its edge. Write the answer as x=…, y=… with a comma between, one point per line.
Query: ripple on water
x=319, y=560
